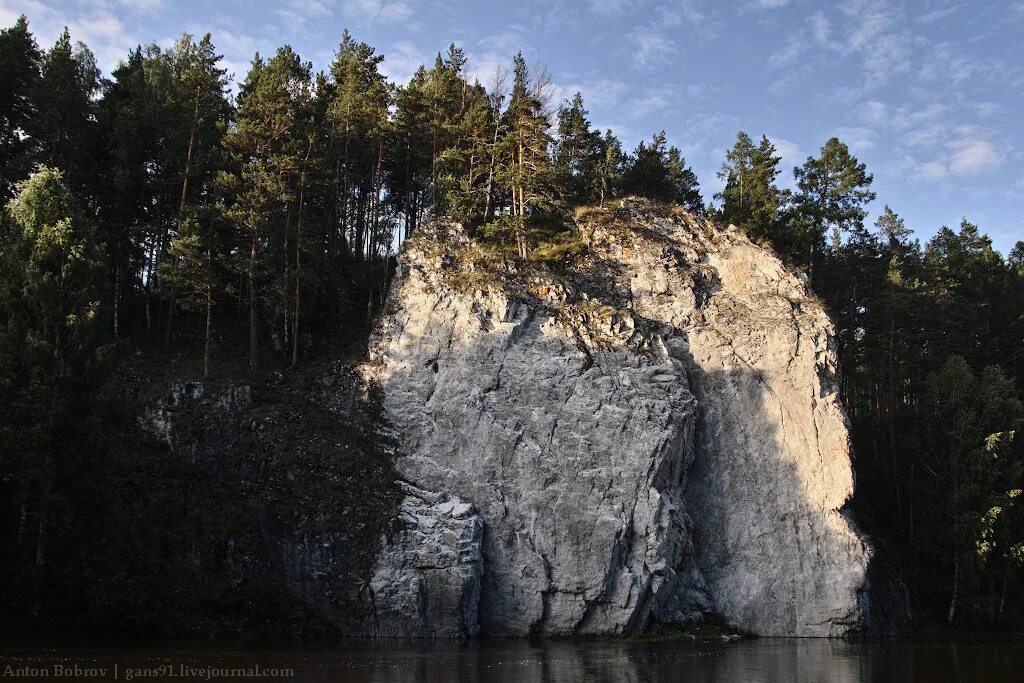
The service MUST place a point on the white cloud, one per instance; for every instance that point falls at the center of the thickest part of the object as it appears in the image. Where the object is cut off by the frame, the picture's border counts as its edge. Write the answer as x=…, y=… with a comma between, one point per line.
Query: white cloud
x=511, y=40
x=98, y=27
x=876, y=35
x=889, y=55
x=401, y=61
x=763, y=5
x=675, y=14
x=818, y=33
x=933, y=170
x=383, y=11
x=650, y=46
x=655, y=43
x=651, y=102
x=600, y=92
x=970, y=157
x=820, y=28
x=790, y=152
x=875, y=113
x=303, y=11
x=858, y=138
x=136, y=6
x=938, y=14
x=790, y=53
x=965, y=157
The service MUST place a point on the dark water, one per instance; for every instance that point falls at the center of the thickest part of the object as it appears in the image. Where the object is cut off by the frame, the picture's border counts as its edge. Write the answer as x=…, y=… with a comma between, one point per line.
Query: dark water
x=564, y=662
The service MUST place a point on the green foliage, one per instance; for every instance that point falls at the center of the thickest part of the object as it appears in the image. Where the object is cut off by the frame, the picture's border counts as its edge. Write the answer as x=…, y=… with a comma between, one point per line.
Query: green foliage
x=53, y=271
x=63, y=124
x=751, y=200
x=931, y=380
x=659, y=172
x=579, y=153
x=19, y=79
x=832, y=192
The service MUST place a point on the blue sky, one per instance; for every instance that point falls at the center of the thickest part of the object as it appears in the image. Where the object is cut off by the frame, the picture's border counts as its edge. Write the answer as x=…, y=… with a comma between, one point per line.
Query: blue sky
x=928, y=93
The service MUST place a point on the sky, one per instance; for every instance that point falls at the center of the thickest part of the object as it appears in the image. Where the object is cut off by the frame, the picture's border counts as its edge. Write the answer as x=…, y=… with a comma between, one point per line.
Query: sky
x=928, y=93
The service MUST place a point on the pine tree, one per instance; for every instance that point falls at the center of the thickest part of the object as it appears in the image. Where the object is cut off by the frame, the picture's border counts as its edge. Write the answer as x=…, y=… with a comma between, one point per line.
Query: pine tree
x=578, y=154
x=685, y=190
x=268, y=147
x=409, y=162
x=891, y=227
x=832, y=191
x=19, y=78
x=610, y=172
x=359, y=118
x=659, y=172
x=527, y=169
x=64, y=122
x=192, y=270
x=751, y=200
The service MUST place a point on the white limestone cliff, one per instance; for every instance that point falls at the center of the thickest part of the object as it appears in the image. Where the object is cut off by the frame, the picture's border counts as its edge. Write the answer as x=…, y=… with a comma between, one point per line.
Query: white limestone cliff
x=650, y=436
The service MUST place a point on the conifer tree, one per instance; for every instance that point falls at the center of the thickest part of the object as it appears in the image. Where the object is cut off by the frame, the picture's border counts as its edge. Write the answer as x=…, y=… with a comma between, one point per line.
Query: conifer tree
x=267, y=144
x=832, y=191
x=63, y=125
x=358, y=117
x=578, y=155
x=527, y=168
x=409, y=163
x=19, y=79
x=610, y=171
x=659, y=172
x=751, y=200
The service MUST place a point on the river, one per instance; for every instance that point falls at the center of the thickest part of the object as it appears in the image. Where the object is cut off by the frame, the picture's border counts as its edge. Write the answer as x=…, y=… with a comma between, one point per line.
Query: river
x=754, y=660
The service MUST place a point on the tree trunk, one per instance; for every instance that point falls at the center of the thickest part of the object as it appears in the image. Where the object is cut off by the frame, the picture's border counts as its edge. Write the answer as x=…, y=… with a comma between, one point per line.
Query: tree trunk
x=489, y=207
x=170, y=324
x=252, y=307
x=298, y=257
x=956, y=588
x=375, y=228
x=41, y=528
x=209, y=328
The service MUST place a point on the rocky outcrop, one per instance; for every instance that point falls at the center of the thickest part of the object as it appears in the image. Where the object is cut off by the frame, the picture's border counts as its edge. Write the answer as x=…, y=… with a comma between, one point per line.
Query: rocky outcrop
x=427, y=582
x=648, y=436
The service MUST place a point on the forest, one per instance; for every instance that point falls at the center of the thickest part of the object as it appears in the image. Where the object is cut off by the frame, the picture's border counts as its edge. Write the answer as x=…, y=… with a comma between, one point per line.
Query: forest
x=164, y=210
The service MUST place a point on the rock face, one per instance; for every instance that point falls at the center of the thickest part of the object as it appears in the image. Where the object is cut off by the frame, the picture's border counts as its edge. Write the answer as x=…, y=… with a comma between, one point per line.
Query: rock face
x=650, y=436
x=427, y=582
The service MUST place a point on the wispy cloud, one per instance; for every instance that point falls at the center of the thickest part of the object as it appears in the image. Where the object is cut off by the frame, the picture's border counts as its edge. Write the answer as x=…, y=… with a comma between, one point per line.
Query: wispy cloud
x=608, y=6
x=655, y=42
x=302, y=12
x=402, y=61
x=650, y=46
x=383, y=11
x=790, y=152
x=965, y=157
x=938, y=14
x=99, y=26
x=816, y=33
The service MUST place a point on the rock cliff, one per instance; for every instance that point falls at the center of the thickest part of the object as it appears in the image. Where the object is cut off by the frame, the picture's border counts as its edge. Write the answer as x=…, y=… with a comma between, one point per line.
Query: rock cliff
x=646, y=435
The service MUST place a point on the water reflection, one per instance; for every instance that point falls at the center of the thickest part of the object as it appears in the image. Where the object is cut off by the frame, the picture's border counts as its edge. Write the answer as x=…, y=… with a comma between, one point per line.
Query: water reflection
x=563, y=662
